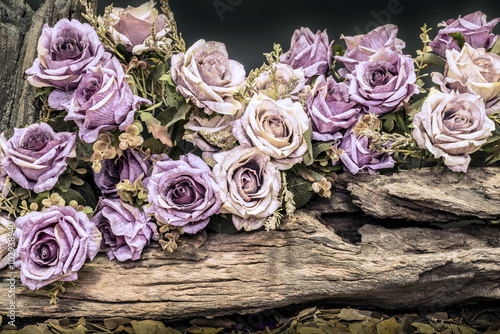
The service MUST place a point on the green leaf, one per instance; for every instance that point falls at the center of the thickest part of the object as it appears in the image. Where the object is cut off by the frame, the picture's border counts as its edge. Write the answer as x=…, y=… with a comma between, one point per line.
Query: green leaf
x=431, y=59
x=43, y=91
x=166, y=115
x=77, y=181
x=222, y=225
x=58, y=124
x=388, y=122
x=72, y=195
x=181, y=114
x=308, y=157
x=41, y=197
x=153, y=107
x=321, y=147
x=301, y=189
x=459, y=38
x=417, y=106
x=155, y=146
x=338, y=50
x=400, y=122
x=496, y=47
x=86, y=191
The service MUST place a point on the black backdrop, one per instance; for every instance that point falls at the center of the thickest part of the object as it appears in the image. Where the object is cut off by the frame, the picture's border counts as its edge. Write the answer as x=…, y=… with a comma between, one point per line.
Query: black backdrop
x=250, y=27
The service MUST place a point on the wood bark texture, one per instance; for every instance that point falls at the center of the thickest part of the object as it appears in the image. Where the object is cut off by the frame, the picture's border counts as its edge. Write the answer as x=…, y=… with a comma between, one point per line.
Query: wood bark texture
x=346, y=250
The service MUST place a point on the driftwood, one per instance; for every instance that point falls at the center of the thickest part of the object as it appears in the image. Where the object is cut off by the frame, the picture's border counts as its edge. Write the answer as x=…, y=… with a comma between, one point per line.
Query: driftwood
x=317, y=256
x=378, y=242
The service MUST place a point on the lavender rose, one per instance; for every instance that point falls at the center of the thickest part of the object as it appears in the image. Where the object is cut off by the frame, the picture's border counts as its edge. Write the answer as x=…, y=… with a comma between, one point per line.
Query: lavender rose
x=250, y=184
x=36, y=156
x=383, y=82
x=183, y=193
x=125, y=229
x=361, y=47
x=208, y=78
x=53, y=245
x=130, y=166
x=65, y=52
x=330, y=109
x=473, y=28
x=311, y=52
x=472, y=71
x=356, y=155
x=291, y=83
x=102, y=101
x=4, y=183
x=452, y=126
x=276, y=128
x=7, y=227
x=132, y=26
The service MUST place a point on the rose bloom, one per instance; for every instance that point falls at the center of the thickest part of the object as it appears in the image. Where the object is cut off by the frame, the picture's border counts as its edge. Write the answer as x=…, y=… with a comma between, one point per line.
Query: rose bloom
x=7, y=227
x=132, y=26
x=4, y=182
x=274, y=127
x=311, y=52
x=130, y=166
x=53, y=245
x=357, y=156
x=452, y=126
x=472, y=71
x=382, y=83
x=65, y=53
x=250, y=184
x=36, y=156
x=208, y=78
x=102, y=101
x=473, y=27
x=125, y=229
x=361, y=47
x=330, y=109
x=284, y=75
x=183, y=193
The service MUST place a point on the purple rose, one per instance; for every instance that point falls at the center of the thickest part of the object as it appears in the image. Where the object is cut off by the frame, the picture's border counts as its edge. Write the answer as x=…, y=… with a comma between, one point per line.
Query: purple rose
x=473, y=28
x=130, y=166
x=36, y=156
x=65, y=52
x=330, y=109
x=53, y=245
x=7, y=226
x=183, y=193
x=357, y=155
x=125, y=229
x=361, y=47
x=311, y=52
x=383, y=82
x=102, y=101
x=208, y=78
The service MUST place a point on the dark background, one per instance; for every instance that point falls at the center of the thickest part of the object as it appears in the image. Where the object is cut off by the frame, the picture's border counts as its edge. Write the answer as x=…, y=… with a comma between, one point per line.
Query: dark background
x=250, y=27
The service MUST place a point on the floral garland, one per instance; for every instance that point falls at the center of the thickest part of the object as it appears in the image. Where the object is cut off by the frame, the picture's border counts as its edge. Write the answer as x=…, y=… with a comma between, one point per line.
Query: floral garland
x=175, y=140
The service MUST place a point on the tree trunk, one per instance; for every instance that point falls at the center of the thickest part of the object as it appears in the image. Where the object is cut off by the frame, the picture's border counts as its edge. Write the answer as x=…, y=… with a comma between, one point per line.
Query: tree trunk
x=382, y=241
x=338, y=254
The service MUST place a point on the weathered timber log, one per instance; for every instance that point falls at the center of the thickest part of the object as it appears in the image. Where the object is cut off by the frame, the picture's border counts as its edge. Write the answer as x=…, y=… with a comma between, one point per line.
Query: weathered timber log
x=306, y=260
x=20, y=28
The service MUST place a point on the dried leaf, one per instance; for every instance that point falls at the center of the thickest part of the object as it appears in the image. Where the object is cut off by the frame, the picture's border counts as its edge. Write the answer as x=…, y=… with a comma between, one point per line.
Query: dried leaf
x=423, y=328
x=113, y=323
x=349, y=314
x=389, y=326
x=149, y=327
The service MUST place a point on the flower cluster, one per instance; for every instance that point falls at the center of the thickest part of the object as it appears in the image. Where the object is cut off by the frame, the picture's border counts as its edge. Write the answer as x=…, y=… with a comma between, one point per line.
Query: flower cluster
x=174, y=140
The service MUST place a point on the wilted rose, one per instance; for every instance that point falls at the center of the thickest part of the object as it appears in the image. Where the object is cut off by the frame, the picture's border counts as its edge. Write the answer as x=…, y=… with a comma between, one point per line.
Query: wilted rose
x=312, y=52
x=384, y=82
x=183, y=193
x=473, y=27
x=4, y=183
x=102, y=101
x=125, y=229
x=356, y=155
x=208, y=78
x=274, y=127
x=330, y=109
x=132, y=26
x=361, y=47
x=130, y=166
x=65, y=52
x=36, y=156
x=53, y=245
x=7, y=239
x=250, y=184
x=472, y=71
x=291, y=82
x=452, y=126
